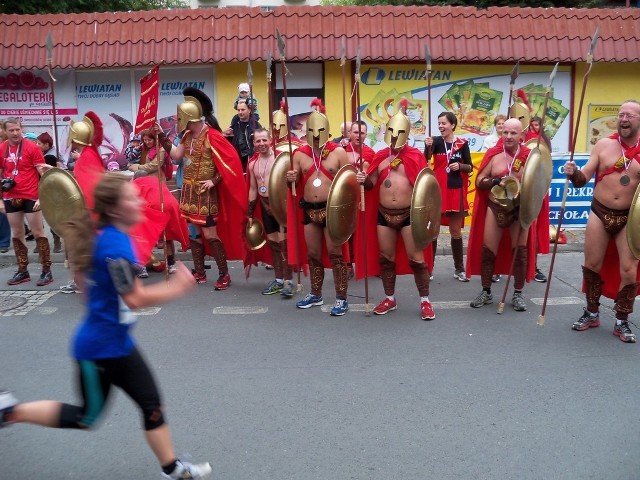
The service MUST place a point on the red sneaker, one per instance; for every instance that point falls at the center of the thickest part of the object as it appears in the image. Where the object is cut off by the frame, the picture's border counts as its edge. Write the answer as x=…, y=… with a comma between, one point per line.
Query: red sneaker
x=200, y=278
x=385, y=306
x=223, y=282
x=427, y=311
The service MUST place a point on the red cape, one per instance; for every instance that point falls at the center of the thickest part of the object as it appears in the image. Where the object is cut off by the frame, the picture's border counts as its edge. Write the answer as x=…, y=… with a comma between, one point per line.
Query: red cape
x=252, y=257
x=296, y=245
x=232, y=196
x=476, y=234
x=413, y=162
x=88, y=172
x=610, y=272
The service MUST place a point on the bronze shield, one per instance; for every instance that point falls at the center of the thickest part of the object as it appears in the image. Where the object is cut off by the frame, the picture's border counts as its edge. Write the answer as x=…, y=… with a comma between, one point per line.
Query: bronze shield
x=60, y=197
x=342, y=205
x=426, y=209
x=284, y=147
x=536, y=180
x=278, y=187
x=633, y=225
x=255, y=234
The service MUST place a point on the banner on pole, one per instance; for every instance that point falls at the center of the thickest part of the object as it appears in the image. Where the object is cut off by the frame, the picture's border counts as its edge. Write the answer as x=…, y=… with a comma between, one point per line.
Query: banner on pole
x=148, y=108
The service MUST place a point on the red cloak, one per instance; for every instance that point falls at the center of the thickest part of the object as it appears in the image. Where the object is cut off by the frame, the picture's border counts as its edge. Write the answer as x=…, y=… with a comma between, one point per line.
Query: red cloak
x=413, y=162
x=88, y=171
x=476, y=234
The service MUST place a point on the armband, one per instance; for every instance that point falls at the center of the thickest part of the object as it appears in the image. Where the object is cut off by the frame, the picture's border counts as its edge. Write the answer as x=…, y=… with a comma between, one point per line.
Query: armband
x=165, y=142
x=578, y=179
x=252, y=208
x=121, y=272
x=217, y=178
x=487, y=183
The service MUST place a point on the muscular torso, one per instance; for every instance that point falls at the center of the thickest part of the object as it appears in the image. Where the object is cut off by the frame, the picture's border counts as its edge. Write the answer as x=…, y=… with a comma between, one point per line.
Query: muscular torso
x=398, y=194
x=609, y=191
x=261, y=170
x=499, y=167
x=331, y=164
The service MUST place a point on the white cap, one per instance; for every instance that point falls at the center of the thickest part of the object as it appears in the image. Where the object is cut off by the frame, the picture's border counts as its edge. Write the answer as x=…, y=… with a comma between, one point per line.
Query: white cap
x=243, y=87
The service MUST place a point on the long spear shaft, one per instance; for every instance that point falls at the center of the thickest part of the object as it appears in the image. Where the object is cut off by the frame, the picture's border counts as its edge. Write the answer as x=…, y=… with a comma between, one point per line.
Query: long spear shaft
x=270, y=100
x=362, y=198
x=251, y=102
x=53, y=92
x=520, y=230
x=281, y=48
x=594, y=40
x=343, y=66
x=427, y=58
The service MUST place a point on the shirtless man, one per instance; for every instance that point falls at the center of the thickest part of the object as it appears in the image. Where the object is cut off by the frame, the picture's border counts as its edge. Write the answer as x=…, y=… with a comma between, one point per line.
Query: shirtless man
x=390, y=178
x=259, y=169
x=357, y=134
x=490, y=220
x=314, y=166
x=616, y=162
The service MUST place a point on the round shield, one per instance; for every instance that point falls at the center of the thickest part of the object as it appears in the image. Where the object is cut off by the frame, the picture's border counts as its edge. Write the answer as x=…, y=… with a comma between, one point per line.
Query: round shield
x=278, y=187
x=633, y=225
x=60, y=197
x=342, y=205
x=255, y=234
x=536, y=180
x=426, y=209
x=533, y=143
x=284, y=147
x=506, y=193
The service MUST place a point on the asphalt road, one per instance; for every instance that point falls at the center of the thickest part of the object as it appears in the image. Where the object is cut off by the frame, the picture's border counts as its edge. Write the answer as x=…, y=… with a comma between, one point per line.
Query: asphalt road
x=265, y=391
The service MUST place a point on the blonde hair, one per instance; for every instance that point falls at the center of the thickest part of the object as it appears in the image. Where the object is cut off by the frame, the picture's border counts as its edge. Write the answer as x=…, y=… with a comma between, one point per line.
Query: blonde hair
x=80, y=231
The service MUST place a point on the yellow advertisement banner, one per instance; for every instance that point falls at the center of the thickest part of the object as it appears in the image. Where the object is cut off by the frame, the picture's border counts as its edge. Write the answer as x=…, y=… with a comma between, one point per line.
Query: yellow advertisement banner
x=603, y=121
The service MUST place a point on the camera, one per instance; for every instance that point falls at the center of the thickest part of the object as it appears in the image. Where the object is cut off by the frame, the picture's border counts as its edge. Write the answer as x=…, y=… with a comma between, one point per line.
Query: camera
x=7, y=184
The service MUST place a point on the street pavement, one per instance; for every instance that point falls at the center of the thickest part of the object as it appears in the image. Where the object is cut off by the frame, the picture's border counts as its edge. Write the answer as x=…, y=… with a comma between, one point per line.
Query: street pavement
x=265, y=391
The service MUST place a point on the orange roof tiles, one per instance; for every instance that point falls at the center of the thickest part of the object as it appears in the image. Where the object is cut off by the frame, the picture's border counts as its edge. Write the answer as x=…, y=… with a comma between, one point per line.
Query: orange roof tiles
x=383, y=33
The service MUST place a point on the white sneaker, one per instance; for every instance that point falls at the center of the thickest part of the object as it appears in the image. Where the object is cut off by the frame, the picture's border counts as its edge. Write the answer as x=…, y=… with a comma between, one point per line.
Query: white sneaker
x=143, y=273
x=7, y=401
x=70, y=287
x=185, y=470
x=172, y=269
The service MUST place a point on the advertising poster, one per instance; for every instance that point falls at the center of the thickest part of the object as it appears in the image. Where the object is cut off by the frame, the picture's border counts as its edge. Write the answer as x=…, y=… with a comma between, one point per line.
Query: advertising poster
x=27, y=94
x=475, y=94
x=603, y=121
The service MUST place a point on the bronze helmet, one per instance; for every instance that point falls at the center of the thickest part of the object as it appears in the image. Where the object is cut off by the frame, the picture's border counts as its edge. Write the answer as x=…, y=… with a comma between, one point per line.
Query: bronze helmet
x=398, y=128
x=521, y=111
x=317, y=128
x=279, y=124
x=189, y=111
x=81, y=132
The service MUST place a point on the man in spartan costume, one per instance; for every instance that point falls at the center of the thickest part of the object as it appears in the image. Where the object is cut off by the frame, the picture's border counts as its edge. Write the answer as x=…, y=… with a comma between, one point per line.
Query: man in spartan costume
x=214, y=194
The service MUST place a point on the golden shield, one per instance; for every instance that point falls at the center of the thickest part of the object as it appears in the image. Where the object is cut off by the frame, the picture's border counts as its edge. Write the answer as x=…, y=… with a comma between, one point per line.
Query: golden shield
x=278, y=187
x=284, y=147
x=255, y=234
x=507, y=193
x=60, y=197
x=426, y=208
x=536, y=180
x=633, y=225
x=342, y=205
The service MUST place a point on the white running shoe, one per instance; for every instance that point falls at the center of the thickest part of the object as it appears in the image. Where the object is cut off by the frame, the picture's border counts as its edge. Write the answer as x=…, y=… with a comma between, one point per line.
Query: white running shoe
x=189, y=471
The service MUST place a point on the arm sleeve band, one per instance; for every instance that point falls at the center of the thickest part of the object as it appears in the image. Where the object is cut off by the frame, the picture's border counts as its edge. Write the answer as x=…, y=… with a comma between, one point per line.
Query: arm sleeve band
x=578, y=179
x=122, y=275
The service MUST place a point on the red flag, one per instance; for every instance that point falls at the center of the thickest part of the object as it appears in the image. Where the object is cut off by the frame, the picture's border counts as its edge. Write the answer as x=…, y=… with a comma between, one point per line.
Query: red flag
x=149, y=93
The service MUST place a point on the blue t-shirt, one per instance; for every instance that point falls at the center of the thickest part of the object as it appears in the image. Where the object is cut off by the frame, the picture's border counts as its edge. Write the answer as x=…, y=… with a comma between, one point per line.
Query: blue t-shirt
x=104, y=333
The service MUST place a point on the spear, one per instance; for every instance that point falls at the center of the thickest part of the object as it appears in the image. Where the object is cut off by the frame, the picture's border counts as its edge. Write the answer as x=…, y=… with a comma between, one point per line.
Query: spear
x=427, y=59
x=281, y=49
x=251, y=103
x=343, y=63
x=53, y=95
x=362, y=200
x=514, y=75
x=520, y=231
x=270, y=95
x=594, y=40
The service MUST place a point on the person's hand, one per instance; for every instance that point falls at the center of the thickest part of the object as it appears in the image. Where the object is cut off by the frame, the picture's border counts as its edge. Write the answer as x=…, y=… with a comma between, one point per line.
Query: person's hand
x=43, y=167
x=228, y=132
x=249, y=221
x=428, y=141
x=292, y=175
x=361, y=177
x=157, y=129
x=344, y=142
x=206, y=184
x=36, y=206
x=75, y=154
x=570, y=168
x=134, y=167
x=454, y=167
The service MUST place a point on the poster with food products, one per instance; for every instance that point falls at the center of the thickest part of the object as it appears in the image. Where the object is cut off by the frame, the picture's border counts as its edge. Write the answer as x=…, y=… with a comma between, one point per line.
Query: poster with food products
x=603, y=121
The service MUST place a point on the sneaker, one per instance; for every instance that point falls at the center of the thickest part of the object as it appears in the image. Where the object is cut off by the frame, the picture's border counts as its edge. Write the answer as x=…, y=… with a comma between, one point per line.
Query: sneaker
x=223, y=282
x=172, y=269
x=426, y=311
x=190, y=471
x=287, y=289
x=45, y=279
x=586, y=321
x=496, y=278
x=340, y=308
x=143, y=273
x=309, y=301
x=624, y=333
x=430, y=276
x=200, y=278
x=4, y=249
x=7, y=402
x=19, y=277
x=519, y=305
x=385, y=306
x=481, y=300
x=268, y=267
x=540, y=277
x=460, y=275
x=273, y=288
x=70, y=287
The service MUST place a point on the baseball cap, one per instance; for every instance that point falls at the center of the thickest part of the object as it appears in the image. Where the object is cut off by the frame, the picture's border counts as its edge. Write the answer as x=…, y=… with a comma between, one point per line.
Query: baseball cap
x=30, y=136
x=243, y=87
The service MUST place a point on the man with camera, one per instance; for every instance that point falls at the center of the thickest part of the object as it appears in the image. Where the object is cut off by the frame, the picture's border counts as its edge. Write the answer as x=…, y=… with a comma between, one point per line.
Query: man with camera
x=21, y=164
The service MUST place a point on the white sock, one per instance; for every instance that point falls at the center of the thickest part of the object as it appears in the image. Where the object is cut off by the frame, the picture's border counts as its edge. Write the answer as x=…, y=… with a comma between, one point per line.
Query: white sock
x=391, y=297
x=280, y=281
x=424, y=299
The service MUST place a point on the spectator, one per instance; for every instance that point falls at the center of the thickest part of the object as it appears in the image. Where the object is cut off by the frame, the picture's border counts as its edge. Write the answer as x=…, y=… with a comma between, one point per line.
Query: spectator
x=244, y=93
x=241, y=132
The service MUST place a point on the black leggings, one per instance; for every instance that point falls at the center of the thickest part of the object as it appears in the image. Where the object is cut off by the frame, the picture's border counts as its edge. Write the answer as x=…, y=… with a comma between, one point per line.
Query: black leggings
x=96, y=377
